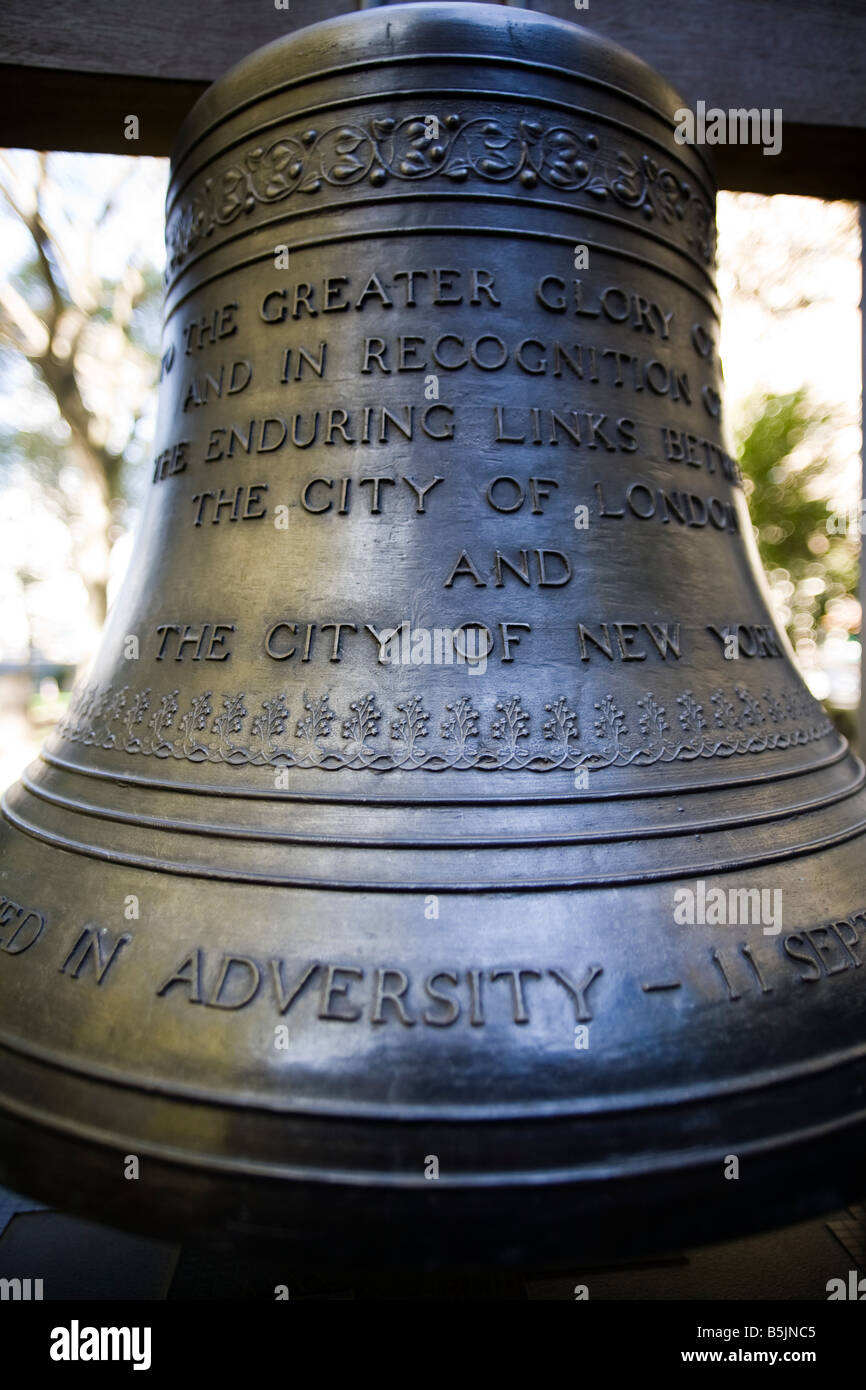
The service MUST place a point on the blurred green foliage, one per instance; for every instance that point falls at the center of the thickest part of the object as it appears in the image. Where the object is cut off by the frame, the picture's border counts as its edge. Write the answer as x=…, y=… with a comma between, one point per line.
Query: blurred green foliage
x=810, y=565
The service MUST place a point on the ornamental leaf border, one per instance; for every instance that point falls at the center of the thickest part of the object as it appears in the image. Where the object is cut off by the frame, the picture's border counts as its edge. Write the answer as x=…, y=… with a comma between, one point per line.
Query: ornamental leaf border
x=227, y=728
x=449, y=148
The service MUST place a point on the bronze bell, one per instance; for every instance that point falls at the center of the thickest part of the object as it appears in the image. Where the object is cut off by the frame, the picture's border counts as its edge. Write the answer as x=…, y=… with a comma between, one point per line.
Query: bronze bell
x=443, y=855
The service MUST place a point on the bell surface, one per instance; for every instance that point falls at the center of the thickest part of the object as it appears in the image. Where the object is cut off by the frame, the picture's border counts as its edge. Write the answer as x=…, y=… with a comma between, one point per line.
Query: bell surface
x=443, y=857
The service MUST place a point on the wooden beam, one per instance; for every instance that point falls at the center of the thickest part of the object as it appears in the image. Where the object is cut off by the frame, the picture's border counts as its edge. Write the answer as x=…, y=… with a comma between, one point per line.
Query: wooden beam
x=815, y=161
x=72, y=72
x=45, y=109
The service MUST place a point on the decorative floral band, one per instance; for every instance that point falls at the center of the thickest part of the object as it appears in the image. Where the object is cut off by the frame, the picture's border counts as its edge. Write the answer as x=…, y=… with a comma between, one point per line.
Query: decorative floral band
x=155, y=726
x=451, y=149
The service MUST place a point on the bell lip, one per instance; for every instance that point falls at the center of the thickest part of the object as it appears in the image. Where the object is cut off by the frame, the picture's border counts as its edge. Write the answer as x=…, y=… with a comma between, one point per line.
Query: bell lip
x=424, y=29
x=434, y=1226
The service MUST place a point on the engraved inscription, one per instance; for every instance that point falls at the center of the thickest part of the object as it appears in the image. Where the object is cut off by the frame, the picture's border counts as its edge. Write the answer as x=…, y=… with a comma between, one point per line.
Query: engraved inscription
x=828, y=950
x=619, y=641
x=814, y=953
x=340, y=495
x=201, y=643
x=215, y=384
x=386, y=994
x=333, y=426
x=550, y=569
x=594, y=429
x=171, y=460
x=646, y=502
x=749, y=639
x=678, y=446
x=20, y=927
x=243, y=503
x=93, y=953
x=201, y=332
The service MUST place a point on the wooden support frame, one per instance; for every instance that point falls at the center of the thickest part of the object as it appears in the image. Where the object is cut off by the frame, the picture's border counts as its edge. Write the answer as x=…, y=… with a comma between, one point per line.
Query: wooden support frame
x=70, y=73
